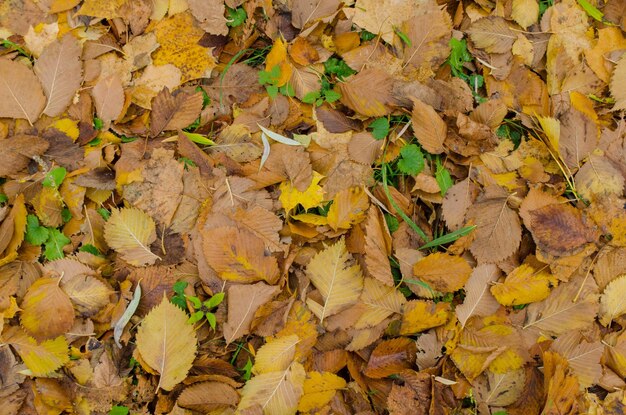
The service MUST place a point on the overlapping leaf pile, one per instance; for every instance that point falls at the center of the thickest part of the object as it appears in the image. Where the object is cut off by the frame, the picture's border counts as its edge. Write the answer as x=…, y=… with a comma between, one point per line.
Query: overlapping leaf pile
x=369, y=206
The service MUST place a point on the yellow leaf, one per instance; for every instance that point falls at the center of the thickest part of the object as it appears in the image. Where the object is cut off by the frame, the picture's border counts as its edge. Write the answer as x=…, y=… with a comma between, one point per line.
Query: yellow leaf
x=48, y=205
x=525, y=12
x=380, y=302
x=278, y=57
x=276, y=355
x=97, y=8
x=348, y=208
x=130, y=232
x=312, y=219
x=167, y=343
x=319, y=389
x=300, y=322
x=40, y=358
x=313, y=196
x=47, y=310
x=443, y=272
x=338, y=279
x=612, y=304
x=275, y=393
x=552, y=129
x=178, y=37
x=68, y=127
x=420, y=315
x=525, y=284
x=610, y=39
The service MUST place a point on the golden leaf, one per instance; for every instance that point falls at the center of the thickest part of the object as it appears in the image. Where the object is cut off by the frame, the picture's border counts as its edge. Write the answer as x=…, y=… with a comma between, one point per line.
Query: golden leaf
x=525, y=12
x=443, y=272
x=290, y=196
x=348, y=208
x=47, y=310
x=420, y=315
x=300, y=322
x=238, y=256
x=278, y=57
x=275, y=393
x=319, y=389
x=130, y=232
x=167, y=343
x=276, y=355
x=525, y=284
x=40, y=358
x=613, y=301
x=337, y=278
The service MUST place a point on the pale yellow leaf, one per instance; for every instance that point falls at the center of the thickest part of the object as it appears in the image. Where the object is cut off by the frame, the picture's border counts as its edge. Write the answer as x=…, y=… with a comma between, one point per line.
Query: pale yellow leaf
x=381, y=301
x=130, y=232
x=525, y=12
x=420, y=315
x=613, y=300
x=275, y=393
x=276, y=355
x=167, y=343
x=319, y=389
x=492, y=34
x=478, y=300
x=338, y=279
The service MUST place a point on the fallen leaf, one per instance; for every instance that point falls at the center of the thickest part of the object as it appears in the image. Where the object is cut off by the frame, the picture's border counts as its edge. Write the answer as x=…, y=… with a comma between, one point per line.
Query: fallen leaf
x=391, y=357
x=478, y=299
x=428, y=126
x=525, y=284
x=377, y=247
x=420, y=315
x=348, y=208
x=40, y=358
x=492, y=34
x=21, y=92
x=358, y=94
x=171, y=112
x=47, y=310
x=130, y=232
x=18, y=150
x=611, y=302
x=318, y=389
x=241, y=314
x=167, y=343
x=208, y=396
x=210, y=15
x=108, y=96
x=443, y=272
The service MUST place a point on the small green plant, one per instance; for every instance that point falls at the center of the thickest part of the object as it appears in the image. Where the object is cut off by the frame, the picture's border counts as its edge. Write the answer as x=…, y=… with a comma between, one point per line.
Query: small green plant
x=270, y=79
x=52, y=239
x=97, y=123
x=380, y=128
x=403, y=36
x=235, y=17
x=4, y=199
x=442, y=175
x=365, y=35
x=512, y=130
x=201, y=309
x=544, y=5
x=187, y=162
x=105, y=213
x=338, y=67
x=6, y=43
x=89, y=248
x=411, y=160
x=325, y=94
x=459, y=55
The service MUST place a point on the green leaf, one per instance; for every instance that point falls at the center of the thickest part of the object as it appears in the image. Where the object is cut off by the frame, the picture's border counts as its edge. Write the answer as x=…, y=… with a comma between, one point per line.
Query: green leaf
x=90, y=249
x=212, y=320
x=235, y=17
x=287, y=90
x=591, y=10
x=187, y=162
x=403, y=37
x=66, y=215
x=330, y=95
x=54, y=245
x=55, y=177
x=272, y=90
x=247, y=370
x=127, y=139
x=199, y=139
x=392, y=222
x=449, y=237
x=95, y=142
x=195, y=301
x=118, y=410
x=380, y=128
x=458, y=56
x=214, y=301
x=206, y=100
x=444, y=180
x=3, y=199
x=311, y=97
x=106, y=214
x=195, y=317
x=179, y=287
x=411, y=161
x=35, y=234
x=97, y=123
x=180, y=301
x=339, y=68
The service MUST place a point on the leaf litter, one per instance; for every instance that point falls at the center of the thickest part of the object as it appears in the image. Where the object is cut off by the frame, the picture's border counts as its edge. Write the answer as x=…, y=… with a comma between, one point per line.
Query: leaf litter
x=312, y=207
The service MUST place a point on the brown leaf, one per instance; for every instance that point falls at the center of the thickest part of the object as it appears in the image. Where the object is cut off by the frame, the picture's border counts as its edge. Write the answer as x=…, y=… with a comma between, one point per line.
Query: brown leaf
x=498, y=231
x=492, y=34
x=363, y=148
x=236, y=142
x=368, y=93
x=307, y=11
x=21, y=95
x=292, y=163
x=17, y=151
x=457, y=201
x=560, y=230
x=59, y=69
x=108, y=96
x=210, y=15
x=391, y=357
x=377, y=247
x=578, y=138
x=208, y=396
x=238, y=256
x=155, y=281
x=241, y=313
x=478, y=299
x=428, y=126
x=263, y=224
x=335, y=121
x=173, y=112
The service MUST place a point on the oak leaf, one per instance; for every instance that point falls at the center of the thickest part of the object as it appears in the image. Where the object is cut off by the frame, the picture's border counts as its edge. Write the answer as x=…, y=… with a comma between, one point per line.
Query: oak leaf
x=59, y=69
x=130, y=232
x=339, y=281
x=167, y=343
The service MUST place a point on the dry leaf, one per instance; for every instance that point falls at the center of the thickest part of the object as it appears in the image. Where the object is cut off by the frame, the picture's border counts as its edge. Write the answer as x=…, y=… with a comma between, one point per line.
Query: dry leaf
x=240, y=313
x=40, y=358
x=442, y=272
x=47, y=311
x=130, y=232
x=20, y=91
x=167, y=343
x=368, y=93
x=377, y=247
x=492, y=34
x=525, y=284
x=377, y=302
x=348, y=208
x=612, y=301
x=17, y=151
x=391, y=357
x=208, y=396
x=108, y=96
x=274, y=392
x=174, y=112
x=617, y=82
x=420, y=315
x=319, y=389
x=428, y=126
x=60, y=71
x=478, y=299
x=339, y=281
x=210, y=14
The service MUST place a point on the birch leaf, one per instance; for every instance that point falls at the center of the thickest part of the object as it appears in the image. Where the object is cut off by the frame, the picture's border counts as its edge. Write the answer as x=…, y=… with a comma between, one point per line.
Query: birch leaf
x=167, y=343
x=130, y=232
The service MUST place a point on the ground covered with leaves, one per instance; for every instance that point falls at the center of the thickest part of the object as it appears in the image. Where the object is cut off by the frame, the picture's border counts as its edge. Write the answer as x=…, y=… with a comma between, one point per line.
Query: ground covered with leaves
x=312, y=206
